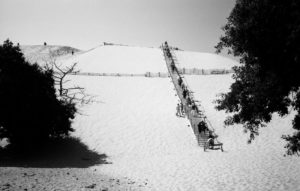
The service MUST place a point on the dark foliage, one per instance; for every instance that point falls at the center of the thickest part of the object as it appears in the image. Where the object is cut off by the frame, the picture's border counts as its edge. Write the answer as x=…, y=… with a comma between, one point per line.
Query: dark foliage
x=265, y=34
x=30, y=111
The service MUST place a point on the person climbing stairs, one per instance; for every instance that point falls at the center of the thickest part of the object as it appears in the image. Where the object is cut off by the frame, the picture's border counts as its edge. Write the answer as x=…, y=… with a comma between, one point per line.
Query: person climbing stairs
x=193, y=113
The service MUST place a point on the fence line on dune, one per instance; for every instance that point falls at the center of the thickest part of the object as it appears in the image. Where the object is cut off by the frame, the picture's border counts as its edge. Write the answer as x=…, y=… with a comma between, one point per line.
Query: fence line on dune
x=197, y=71
x=184, y=71
x=147, y=74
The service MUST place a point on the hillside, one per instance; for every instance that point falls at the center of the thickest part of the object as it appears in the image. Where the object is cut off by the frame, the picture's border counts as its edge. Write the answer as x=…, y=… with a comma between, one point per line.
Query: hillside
x=137, y=60
x=136, y=126
x=41, y=53
x=140, y=60
x=203, y=60
x=120, y=59
x=133, y=122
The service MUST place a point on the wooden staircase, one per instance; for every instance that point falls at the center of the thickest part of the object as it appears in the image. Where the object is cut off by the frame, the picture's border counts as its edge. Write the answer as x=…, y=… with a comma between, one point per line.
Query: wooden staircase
x=175, y=74
x=202, y=138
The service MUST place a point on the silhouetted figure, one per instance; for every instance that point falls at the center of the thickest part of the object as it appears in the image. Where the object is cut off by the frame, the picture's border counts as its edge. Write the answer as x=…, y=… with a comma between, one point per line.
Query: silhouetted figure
x=202, y=127
x=194, y=107
x=178, y=113
x=189, y=101
x=179, y=81
x=172, y=67
x=183, y=86
x=184, y=93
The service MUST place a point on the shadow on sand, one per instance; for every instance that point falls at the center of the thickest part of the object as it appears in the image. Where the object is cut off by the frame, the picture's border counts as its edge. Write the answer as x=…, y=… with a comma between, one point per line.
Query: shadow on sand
x=59, y=153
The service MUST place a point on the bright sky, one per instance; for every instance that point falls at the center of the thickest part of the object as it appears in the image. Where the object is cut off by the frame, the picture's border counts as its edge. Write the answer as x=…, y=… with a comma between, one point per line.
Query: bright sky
x=188, y=24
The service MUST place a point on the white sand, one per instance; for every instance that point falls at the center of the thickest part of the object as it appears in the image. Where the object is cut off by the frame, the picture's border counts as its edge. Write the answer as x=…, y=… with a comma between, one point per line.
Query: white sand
x=205, y=61
x=134, y=123
x=260, y=165
x=137, y=128
x=120, y=59
x=42, y=54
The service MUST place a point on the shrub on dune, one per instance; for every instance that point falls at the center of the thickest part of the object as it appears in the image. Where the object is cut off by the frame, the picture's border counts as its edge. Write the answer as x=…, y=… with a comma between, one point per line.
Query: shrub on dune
x=31, y=112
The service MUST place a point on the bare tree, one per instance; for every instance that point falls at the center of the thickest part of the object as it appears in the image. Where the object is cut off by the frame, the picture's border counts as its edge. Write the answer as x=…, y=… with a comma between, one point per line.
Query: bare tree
x=71, y=94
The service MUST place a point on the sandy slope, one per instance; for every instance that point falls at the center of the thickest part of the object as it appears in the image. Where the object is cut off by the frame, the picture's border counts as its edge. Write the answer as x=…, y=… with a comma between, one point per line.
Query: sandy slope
x=120, y=59
x=42, y=54
x=259, y=166
x=136, y=127
x=201, y=60
x=134, y=124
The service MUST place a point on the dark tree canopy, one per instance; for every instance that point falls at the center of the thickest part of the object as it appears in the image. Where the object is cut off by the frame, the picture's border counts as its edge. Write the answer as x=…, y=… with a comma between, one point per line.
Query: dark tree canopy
x=265, y=34
x=30, y=110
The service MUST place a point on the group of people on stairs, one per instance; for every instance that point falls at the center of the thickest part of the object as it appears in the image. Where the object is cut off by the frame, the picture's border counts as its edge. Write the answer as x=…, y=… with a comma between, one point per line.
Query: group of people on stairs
x=188, y=105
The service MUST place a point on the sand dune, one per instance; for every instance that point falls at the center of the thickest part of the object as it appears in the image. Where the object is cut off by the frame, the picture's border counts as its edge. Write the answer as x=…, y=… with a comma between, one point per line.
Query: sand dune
x=120, y=59
x=42, y=54
x=134, y=124
x=146, y=141
x=201, y=60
